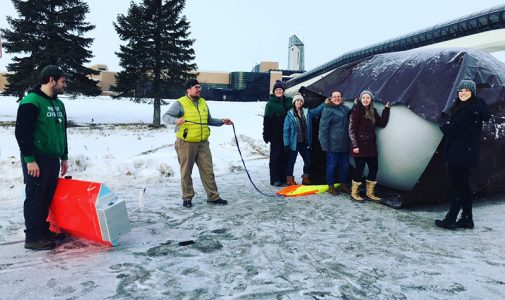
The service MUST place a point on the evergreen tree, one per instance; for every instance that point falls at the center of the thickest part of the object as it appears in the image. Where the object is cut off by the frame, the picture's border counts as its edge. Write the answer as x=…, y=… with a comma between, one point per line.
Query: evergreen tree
x=157, y=56
x=49, y=32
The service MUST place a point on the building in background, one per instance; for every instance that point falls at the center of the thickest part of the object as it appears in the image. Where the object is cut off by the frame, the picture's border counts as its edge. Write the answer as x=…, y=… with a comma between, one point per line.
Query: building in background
x=223, y=86
x=3, y=81
x=106, y=79
x=296, y=58
x=243, y=86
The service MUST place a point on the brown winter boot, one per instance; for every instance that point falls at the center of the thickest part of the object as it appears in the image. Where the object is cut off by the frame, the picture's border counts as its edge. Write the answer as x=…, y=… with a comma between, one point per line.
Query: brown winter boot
x=290, y=180
x=344, y=188
x=332, y=190
x=370, y=191
x=355, y=191
x=305, y=179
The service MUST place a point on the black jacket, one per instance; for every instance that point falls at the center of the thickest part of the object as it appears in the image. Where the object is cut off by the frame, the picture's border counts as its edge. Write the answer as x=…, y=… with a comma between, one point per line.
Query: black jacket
x=463, y=132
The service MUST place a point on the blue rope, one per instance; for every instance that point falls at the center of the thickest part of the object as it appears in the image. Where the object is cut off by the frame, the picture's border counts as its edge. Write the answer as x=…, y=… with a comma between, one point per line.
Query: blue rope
x=243, y=162
x=245, y=168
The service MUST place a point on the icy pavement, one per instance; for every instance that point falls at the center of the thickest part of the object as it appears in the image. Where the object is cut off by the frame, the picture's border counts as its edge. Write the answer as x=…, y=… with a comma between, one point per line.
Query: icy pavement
x=316, y=247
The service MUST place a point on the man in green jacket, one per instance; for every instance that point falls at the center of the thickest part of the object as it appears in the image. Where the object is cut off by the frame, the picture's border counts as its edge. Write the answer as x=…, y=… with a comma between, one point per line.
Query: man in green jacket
x=276, y=109
x=41, y=125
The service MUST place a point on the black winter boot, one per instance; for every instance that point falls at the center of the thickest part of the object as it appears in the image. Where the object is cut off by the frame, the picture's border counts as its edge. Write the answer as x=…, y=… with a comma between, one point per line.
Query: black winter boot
x=465, y=221
x=55, y=236
x=448, y=222
x=218, y=202
x=42, y=244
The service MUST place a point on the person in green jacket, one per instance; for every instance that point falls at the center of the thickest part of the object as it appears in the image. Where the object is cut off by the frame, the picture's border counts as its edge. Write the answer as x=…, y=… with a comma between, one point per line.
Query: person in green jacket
x=276, y=110
x=41, y=125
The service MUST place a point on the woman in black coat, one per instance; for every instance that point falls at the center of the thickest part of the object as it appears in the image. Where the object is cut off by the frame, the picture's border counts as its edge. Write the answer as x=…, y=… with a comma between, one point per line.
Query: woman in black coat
x=462, y=133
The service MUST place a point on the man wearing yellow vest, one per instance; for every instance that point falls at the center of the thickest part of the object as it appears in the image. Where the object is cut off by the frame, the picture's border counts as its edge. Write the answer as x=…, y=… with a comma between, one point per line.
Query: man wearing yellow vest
x=192, y=118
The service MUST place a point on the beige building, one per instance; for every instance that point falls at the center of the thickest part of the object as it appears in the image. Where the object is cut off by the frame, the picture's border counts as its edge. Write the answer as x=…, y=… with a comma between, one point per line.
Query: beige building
x=106, y=79
x=217, y=80
x=266, y=66
x=3, y=81
x=213, y=78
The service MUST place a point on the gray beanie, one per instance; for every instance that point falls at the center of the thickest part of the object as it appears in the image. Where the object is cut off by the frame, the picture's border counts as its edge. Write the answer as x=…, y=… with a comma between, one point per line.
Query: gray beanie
x=467, y=83
x=367, y=92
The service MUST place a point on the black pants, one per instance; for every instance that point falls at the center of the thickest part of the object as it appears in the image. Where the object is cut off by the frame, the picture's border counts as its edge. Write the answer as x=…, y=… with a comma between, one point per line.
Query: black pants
x=463, y=195
x=304, y=151
x=278, y=162
x=373, y=167
x=39, y=194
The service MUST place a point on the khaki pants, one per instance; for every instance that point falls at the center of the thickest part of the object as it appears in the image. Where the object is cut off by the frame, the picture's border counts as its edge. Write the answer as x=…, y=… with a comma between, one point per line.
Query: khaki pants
x=188, y=154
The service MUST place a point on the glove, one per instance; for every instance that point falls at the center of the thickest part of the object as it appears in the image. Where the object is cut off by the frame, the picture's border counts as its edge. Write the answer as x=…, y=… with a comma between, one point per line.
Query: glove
x=266, y=138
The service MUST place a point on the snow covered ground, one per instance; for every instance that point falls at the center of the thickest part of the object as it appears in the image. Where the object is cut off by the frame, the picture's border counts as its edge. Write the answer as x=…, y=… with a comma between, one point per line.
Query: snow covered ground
x=314, y=247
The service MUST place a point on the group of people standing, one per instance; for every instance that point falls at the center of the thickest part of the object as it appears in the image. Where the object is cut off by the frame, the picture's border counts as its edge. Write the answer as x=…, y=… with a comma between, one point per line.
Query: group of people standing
x=343, y=131
x=41, y=133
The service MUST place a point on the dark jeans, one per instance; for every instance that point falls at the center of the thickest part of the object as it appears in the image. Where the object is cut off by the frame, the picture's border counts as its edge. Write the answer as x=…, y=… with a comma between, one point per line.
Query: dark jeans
x=39, y=194
x=463, y=195
x=304, y=151
x=334, y=159
x=278, y=162
x=373, y=167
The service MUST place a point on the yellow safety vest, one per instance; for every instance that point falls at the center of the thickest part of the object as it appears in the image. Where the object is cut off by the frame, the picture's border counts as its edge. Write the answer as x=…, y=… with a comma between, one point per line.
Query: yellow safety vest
x=189, y=131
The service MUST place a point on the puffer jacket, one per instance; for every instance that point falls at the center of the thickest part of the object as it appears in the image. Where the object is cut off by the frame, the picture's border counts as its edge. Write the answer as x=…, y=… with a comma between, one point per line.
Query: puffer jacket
x=273, y=119
x=463, y=132
x=334, y=127
x=291, y=126
x=362, y=131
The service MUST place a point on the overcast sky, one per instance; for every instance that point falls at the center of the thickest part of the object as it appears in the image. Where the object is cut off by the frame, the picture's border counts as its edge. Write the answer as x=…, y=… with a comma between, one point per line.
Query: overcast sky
x=234, y=35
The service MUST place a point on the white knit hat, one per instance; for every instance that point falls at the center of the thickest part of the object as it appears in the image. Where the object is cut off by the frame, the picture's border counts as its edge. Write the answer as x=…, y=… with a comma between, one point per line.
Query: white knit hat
x=298, y=96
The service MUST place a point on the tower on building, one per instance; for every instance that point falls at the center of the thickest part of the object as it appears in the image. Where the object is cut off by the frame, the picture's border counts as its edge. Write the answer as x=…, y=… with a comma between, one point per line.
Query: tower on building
x=296, y=59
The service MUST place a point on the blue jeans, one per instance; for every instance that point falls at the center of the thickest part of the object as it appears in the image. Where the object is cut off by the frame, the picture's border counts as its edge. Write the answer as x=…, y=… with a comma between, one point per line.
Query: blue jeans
x=334, y=159
x=304, y=151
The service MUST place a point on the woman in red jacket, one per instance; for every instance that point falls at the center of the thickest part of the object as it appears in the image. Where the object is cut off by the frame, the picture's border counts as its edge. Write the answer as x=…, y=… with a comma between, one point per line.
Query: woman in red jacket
x=364, y=118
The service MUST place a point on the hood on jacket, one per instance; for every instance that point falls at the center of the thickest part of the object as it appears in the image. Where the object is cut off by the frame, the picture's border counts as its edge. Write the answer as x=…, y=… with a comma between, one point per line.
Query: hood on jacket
x=328, y=102
x=36, y=89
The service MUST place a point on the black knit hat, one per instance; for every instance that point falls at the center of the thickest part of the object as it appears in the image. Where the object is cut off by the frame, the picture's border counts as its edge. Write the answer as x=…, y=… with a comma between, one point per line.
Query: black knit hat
x=52, y=71
x=191, y=83
x=278, y=84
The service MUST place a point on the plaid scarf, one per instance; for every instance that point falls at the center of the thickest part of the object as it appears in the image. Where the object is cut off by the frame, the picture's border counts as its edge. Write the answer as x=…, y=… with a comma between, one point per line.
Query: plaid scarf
x=301, y=123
